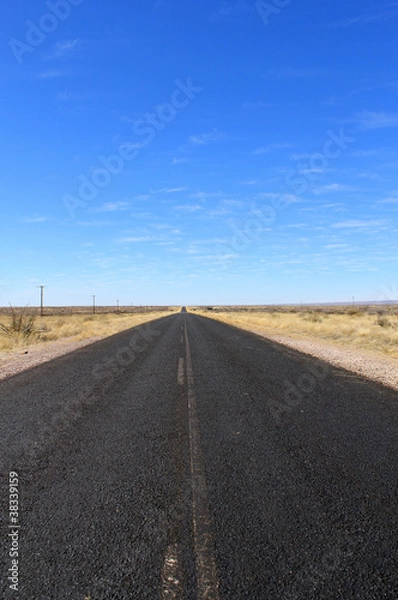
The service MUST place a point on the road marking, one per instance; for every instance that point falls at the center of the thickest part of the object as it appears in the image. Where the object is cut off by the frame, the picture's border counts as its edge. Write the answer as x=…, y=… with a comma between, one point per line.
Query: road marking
x=171, y=576
x=206, y=569
x=180, y=371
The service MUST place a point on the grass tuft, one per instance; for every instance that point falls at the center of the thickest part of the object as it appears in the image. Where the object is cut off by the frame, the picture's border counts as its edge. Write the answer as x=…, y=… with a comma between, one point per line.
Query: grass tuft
x=21, y=325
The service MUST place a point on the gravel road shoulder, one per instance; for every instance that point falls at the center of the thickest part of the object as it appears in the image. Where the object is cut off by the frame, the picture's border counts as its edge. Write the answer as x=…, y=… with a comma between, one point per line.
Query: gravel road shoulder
x=25, y=358
x=382, y=369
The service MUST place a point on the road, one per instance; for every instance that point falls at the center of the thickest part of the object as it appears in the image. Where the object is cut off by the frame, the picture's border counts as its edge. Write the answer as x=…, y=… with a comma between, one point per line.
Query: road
x=188, y=459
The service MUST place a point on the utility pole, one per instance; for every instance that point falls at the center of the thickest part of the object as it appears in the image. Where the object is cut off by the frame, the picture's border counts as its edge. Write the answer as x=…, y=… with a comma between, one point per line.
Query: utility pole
x=41, y=298
x=117, y=301
x=93, y=297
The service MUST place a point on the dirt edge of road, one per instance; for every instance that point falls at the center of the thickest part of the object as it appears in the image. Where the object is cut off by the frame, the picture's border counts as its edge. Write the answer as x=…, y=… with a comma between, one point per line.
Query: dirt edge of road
x=368, y=364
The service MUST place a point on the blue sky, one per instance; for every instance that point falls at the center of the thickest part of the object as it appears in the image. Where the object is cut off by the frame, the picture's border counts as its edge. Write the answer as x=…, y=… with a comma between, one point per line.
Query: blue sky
x=193, y=153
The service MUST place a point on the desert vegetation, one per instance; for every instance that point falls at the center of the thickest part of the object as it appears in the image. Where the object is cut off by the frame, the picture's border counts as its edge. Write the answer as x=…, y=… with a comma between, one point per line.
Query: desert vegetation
x=22, y=327
x=372, y=328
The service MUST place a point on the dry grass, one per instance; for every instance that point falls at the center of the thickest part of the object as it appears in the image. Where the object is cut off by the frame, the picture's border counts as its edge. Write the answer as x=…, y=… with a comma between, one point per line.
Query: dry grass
x=21, y=325
x=354, y=328
x=75, y=327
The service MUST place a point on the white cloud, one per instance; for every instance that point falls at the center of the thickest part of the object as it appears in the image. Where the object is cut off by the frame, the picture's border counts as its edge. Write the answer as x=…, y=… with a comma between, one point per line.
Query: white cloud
x=51, y=74
x=333, y=187
x=95, y=223
x=261, y=150
x=363, y=153
x=256, y=105
x=291, y=73
x=63, y=48
x=206, y=138
x=189, y=207
x=270, y=147
x=393, y=199
x=359, y=224
x=205, y=195
x=135, y=239
x=384, y=15
x=376, y=120
x=369, y=176
x=166, y=190
x=177, y=161
x=334, y=205
x=230, y=10
x=35, y=219
x=112, y=207
x=285, y=198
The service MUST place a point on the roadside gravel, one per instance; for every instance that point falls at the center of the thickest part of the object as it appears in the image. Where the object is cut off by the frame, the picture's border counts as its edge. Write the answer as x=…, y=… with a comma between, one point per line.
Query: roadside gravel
x=22, y=359
x=373, y=366
x=363, y=362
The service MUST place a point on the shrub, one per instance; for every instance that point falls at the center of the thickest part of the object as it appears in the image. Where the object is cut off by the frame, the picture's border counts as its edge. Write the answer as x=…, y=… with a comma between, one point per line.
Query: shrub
x=21, y=325
x=354, y=312
x=383, y=321
x=313, y=317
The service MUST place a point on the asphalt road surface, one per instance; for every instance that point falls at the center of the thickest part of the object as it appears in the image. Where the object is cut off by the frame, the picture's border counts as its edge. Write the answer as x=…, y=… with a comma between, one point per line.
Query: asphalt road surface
x=188, y=459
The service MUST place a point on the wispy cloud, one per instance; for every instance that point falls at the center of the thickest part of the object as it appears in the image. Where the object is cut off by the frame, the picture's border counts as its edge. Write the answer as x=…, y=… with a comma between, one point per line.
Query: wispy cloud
x=112, y=207
x=271, y=147
x=51, y=74
x=136, y=239
x=336, y=246
x=391, y=199
x=206, y=195
x=334, y=187
x=364, y=153
x=376, y=120
x=359, y=224
x=230, y=10
x=63, y=48
x=294, y=73
x=157, y=238
x=366, y=175
x=35, y=219
x=206, y=138
x=382, y=15
x=260, y=150
x=188, y=207
x=167, y=190
x=177, y=160
x=95, y=223
x=256, y=105
x=286, y=198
